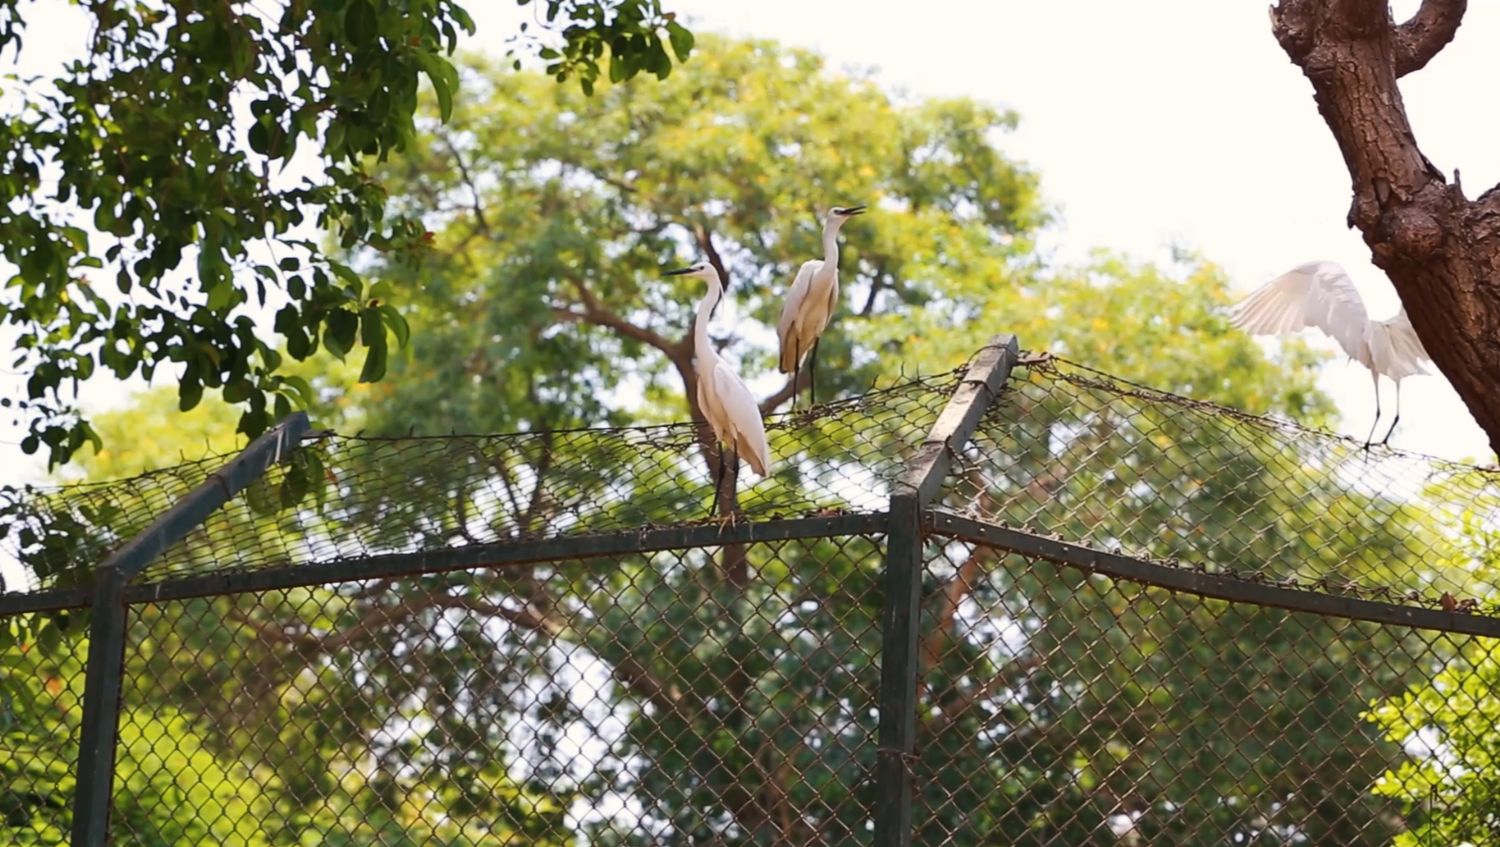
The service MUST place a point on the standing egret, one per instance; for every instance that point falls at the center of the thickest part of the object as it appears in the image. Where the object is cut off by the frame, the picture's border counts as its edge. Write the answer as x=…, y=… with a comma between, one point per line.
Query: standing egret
x=1321, y=294
x=810, y=302
x=722, y=396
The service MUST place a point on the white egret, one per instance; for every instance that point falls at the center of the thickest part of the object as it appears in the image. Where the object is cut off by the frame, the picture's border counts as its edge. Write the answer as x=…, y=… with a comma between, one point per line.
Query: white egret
x=723, y=397
x=811, y=301
x=1321, y=294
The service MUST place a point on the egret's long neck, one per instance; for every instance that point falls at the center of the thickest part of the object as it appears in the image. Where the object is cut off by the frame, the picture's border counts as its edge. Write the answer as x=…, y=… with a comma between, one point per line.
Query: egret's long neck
x=701, y=347
x=831, y=242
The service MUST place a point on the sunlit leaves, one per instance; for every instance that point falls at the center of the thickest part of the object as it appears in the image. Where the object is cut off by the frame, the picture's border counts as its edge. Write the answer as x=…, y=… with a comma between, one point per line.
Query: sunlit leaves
x=146, y=135
x=629, y=31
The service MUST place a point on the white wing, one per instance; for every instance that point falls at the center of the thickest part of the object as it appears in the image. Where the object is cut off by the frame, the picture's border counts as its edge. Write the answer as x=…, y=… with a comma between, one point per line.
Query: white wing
x=1316, y=294
x=744, y=417
x=794, y=298
x=1402, y=354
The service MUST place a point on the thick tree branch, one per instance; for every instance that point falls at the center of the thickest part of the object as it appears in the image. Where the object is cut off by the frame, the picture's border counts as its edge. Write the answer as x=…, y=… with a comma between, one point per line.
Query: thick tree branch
x=785, y=392
x=1427, y=33
x=597, y=314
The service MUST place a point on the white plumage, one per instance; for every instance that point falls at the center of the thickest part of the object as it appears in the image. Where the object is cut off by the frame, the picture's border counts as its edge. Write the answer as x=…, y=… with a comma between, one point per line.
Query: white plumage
x=1321, y=295
x=726, y=401
x=812, y=299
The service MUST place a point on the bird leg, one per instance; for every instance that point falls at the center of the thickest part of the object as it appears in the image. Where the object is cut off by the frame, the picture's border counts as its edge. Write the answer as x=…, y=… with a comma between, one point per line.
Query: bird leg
x=1395, y=420
x=812, y=374
x=718, y=483
x=1371, y=437
x=796, y=371
x=731, y=511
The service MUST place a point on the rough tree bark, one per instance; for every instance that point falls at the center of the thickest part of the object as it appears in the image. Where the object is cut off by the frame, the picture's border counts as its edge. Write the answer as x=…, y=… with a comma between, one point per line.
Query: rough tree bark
x=1440, y=249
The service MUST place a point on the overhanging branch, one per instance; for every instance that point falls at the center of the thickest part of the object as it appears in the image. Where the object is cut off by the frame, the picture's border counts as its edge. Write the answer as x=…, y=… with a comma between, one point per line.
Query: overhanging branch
x=1427, y=33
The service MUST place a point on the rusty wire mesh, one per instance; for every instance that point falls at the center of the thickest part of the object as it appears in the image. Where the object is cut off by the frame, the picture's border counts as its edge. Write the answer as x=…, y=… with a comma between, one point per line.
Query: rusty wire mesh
x=1070, y=452
x=363, y=496
x=1062, y=708
x=647, y=699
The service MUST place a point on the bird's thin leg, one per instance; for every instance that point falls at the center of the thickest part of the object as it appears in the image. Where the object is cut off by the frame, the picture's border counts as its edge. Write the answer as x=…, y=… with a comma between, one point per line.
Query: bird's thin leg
x=1371, y=437
x=796, y=370
x=812, y=374
x=731, y=515
x=1395, y=420
x=718, y=484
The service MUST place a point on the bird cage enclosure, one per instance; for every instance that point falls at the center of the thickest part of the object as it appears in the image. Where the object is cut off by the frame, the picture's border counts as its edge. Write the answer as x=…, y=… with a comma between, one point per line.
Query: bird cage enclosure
x=1020, y=603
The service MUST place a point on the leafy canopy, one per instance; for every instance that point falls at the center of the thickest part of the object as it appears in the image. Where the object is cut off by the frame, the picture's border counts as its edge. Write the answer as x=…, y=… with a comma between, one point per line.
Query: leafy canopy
x=166, y=190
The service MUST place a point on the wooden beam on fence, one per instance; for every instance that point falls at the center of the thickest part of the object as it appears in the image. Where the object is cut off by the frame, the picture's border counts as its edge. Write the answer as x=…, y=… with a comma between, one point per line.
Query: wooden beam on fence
x=900, y=664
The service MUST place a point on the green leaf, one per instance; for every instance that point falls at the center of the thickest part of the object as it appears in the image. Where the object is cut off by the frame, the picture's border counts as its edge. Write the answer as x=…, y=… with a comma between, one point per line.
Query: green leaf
x=397, y=323
x=444, y=78
x=375, y=362
x=372, y=334
x=49, y=638
x=347, y=274
x=301, y=388
x=682, y=40
x=339, y=332
x=259, y=496
x=237, y=391
x=189, y=393
x=360, y=22
x=294, y=485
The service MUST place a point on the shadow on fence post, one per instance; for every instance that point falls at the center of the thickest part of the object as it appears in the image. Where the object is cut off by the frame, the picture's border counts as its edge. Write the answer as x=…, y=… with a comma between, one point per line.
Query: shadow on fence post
x=106, y=658
x=900, y=664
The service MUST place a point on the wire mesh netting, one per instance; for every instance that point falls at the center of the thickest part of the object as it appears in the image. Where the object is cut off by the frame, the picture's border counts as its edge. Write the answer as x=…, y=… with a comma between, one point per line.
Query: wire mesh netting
x=729, y=695
x=41, y=695
x=1070, y=452
x=1059, y=708
x=646, y=699
x=354, y=497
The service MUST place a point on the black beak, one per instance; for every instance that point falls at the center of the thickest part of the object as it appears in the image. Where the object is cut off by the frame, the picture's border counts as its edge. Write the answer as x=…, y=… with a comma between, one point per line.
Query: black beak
x=855, y=210
x=678, y=272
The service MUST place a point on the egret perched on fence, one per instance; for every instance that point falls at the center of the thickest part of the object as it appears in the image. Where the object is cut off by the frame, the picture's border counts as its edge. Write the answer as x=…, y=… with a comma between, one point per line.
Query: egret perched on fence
x=811, y=301
x=726, y=401
x=1321, y=294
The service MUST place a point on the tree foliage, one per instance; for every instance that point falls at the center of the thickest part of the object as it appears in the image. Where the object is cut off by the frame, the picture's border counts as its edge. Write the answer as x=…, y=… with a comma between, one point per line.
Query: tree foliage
x=154, y=201
x=1451, y=718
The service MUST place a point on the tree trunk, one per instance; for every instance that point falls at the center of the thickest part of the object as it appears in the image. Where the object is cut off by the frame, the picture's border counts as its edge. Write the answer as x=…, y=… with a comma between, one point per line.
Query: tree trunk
x=1440, y=250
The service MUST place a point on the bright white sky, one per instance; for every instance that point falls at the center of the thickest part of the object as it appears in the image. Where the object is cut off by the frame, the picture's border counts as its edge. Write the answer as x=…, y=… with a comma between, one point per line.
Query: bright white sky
x=1170, y=121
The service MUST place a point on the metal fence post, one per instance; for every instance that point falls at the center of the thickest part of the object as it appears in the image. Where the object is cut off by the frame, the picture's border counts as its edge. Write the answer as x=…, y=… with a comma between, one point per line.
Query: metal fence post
x=900, y=663
x=101, y=700
x=106, y=658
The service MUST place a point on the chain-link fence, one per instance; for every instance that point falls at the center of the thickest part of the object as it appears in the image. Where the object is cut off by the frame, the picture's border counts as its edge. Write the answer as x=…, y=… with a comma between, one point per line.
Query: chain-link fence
x=1022, y=603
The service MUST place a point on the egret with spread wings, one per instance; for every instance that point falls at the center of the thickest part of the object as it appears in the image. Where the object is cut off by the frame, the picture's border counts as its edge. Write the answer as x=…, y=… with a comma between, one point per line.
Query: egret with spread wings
x=1321, y=294
x=723, y=397
x=811, y=301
